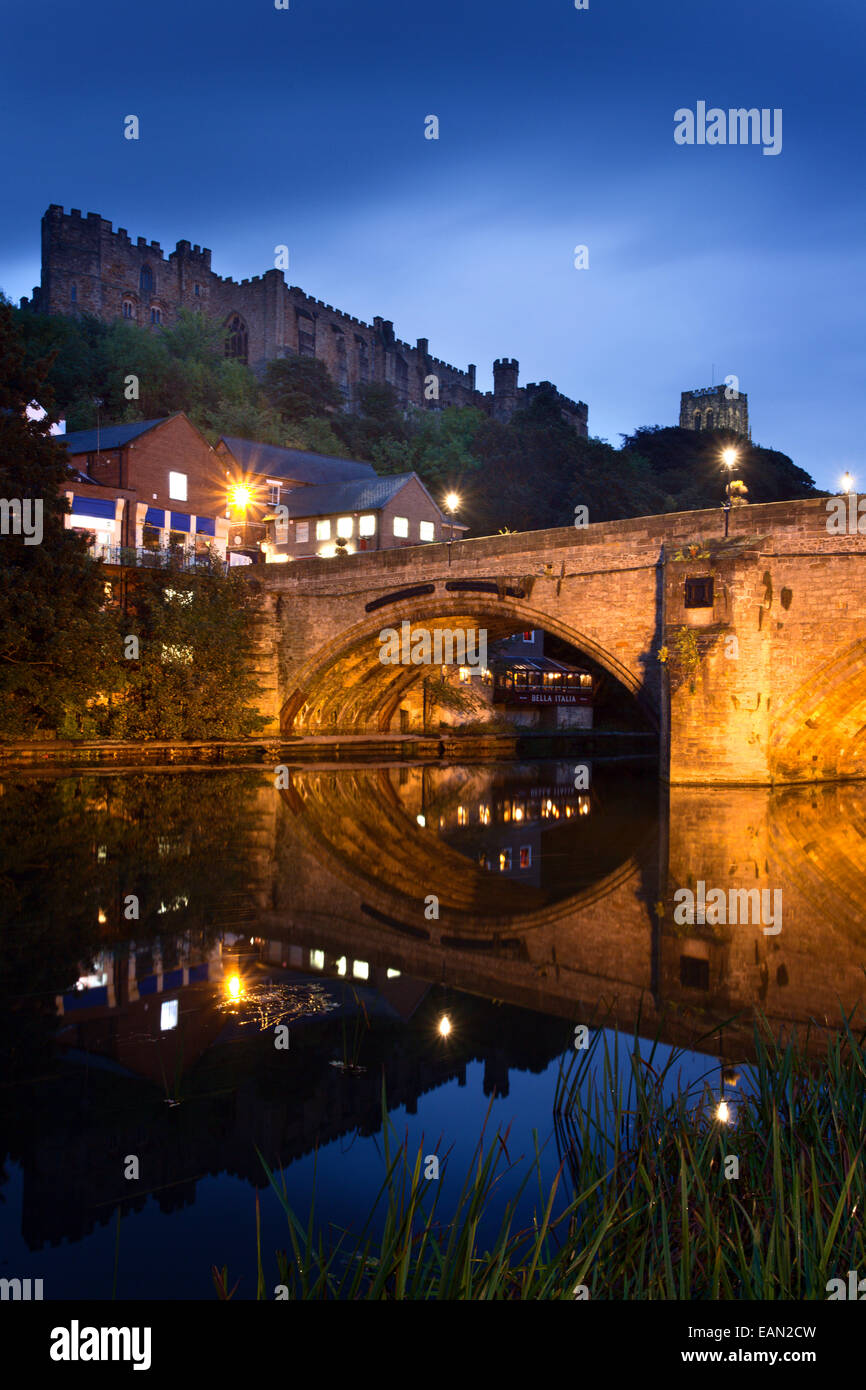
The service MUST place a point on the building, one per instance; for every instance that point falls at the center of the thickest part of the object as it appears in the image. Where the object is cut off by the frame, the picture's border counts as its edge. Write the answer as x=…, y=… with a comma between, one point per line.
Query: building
x=87, y=267
x=358, y=514
x=715, y=408
x=147, y=488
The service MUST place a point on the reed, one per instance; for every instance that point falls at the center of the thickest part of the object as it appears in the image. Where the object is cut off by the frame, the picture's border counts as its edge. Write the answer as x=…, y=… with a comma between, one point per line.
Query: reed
x=640, y=1207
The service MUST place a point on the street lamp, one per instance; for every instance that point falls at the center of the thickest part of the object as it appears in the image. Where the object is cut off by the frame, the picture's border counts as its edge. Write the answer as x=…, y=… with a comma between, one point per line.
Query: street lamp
x=847, y=481
x=729, y=460
x=452, y=502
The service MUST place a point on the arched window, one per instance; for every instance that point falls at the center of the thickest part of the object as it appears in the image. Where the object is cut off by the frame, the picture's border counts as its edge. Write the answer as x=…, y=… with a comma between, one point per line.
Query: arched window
x=145, y=280
x=710, y=425
x=128, y=309
x=236, y=344
x=697, y=420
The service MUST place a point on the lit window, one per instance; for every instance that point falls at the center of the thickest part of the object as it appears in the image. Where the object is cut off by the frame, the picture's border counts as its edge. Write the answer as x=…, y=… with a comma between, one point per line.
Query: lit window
x=462, y=816
x=344, y=526
x=341, y=965
x=168, y=1014
x=360, y=970
x=465, y=675
x=401, y=526
x=302, y=531
x=484, y=815
x=426, y=530
x=504, y=860
x=393, y=974
x=525, y=856
x=317, y=960
x=177, y=487
x=367, y=526
x=323, y=530
x=527, y=636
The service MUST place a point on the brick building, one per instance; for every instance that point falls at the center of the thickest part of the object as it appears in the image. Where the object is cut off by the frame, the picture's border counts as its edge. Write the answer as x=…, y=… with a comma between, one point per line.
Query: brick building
x=87, y=267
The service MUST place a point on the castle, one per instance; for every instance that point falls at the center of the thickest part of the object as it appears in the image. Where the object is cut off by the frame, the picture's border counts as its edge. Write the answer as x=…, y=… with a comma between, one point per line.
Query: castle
x=87, y=267
x=715, y=408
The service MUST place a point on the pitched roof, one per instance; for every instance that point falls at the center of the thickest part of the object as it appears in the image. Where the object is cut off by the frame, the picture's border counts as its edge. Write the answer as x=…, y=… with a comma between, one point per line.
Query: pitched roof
x=299, y=465
x=356, y=495
x=107, y=437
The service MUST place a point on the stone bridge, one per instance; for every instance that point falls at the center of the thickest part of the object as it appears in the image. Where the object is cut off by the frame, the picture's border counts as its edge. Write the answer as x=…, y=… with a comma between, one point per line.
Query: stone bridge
x=764, y=633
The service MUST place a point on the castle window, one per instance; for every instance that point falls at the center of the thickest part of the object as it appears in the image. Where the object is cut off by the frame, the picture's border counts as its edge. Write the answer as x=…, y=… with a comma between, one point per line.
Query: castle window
x=196, y=289
x=363, y=360
x=128, y=309
x=697, y=420
x=237, y=341
x=145, y=280
x=710, y=425
x=155, y=315
x=73, y=294
x=306, y=335
x=699, y=593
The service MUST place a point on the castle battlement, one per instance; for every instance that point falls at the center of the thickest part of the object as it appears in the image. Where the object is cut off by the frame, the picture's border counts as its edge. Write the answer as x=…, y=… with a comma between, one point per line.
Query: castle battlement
x=88, y=267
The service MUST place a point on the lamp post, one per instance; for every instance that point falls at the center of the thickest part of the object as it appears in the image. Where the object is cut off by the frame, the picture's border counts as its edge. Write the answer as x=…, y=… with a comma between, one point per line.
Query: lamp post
x=847, y=481
x=729, y=459
x=452, y=502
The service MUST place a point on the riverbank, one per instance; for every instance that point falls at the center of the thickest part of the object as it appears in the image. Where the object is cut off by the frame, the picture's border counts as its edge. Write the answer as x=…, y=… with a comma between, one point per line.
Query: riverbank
x=48, y=754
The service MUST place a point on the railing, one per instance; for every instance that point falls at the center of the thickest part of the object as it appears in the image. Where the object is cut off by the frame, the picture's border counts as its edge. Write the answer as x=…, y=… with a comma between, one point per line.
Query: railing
x=143, y=558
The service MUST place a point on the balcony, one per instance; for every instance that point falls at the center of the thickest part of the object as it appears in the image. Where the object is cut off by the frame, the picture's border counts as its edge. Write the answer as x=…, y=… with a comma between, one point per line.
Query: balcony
x=141, y=557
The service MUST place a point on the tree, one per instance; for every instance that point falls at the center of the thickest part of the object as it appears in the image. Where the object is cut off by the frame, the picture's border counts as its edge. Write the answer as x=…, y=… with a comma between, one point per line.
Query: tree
x=57, y=643
x=299, y=387
x=191, y=678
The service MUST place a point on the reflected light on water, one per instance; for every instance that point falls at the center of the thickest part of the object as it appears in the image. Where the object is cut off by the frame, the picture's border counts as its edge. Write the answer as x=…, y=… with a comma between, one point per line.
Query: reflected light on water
x=233, y=986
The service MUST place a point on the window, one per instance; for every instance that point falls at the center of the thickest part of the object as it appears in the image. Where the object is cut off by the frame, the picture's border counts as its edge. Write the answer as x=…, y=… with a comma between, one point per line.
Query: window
x=197, y=289
x=273, y=494
x=150, y=537
x=426, y=530
x=699, y=593
x=367, y=526
x=526, y=856
x=306, y=334
x=302, y=531
x=504, y=861
x=527, y=637
x=237, y=338
x=73, y=294
x=323, y=530
x=145, y=280
x=344, y=526
x=177, y=487
x=155, y=315
x=697, y=420
x=401, y=526
x=128, y=309
x=710, y=418
x=694, y=973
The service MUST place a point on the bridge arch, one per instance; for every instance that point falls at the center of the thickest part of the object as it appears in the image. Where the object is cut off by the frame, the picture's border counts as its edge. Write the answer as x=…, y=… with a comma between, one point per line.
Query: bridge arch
x=821, y=730
x=345, y=688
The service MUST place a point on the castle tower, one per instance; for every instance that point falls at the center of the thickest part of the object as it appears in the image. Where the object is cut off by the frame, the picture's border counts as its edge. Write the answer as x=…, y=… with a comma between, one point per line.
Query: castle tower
x=505, y=397
x=715, y=408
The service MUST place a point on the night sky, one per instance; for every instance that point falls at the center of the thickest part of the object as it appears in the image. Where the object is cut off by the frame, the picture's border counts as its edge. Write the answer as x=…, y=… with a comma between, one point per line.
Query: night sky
x=306, y=127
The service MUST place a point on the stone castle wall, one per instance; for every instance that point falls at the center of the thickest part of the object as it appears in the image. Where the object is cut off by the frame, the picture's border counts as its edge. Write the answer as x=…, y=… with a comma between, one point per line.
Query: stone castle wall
x=87, y=267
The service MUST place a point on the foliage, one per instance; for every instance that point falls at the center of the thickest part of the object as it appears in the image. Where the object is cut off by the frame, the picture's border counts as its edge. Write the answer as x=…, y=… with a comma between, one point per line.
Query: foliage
x=191, y=679
x=56, y=641
x=687, y=465
x=651, y=1212
x=299, y=387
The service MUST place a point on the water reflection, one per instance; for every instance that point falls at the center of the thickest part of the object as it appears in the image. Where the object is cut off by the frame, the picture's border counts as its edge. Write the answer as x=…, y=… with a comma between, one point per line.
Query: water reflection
x=402, y=923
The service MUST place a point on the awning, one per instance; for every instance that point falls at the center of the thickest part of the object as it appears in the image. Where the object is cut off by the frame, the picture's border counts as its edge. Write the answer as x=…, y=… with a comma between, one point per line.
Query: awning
x=154, y=517
x=205, y=526
x=181, y=521
x=97, y=507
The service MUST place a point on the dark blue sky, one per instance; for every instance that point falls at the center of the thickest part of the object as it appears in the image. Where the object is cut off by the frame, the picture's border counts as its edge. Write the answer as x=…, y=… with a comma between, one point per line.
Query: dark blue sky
x=306, y=127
